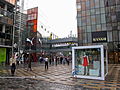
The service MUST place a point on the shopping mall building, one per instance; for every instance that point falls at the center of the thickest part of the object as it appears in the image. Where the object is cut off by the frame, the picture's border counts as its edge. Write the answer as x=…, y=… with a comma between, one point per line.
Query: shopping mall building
x=98, y=23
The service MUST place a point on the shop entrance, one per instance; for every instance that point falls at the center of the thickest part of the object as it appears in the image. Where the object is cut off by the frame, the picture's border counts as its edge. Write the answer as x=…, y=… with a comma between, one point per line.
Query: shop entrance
x=114, y=57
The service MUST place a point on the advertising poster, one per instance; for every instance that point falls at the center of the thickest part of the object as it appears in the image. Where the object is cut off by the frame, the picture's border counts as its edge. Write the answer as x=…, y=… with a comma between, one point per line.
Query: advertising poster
x=32, y=18
x=2, y=55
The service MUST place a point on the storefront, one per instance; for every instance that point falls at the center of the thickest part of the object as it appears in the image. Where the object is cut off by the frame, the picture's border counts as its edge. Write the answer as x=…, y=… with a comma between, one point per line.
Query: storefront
x=89, y=62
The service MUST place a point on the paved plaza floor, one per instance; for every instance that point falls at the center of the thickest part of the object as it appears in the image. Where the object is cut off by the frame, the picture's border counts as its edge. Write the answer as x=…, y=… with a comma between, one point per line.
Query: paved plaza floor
x=56, y=78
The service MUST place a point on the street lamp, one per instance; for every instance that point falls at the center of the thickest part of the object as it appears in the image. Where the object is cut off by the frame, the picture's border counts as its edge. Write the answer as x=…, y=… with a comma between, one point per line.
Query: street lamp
x=14, y=29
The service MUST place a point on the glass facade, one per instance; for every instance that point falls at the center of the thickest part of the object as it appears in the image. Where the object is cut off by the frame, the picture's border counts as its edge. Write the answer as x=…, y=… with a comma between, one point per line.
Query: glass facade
x=98, y=16
x=90, y=62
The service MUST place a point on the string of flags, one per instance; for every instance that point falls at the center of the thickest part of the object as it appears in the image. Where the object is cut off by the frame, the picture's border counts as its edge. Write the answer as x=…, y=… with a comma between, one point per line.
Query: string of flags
x=52, y=35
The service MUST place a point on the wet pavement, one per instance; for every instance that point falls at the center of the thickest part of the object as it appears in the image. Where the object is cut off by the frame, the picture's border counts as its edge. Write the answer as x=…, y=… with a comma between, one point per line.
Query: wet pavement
x=56, y=78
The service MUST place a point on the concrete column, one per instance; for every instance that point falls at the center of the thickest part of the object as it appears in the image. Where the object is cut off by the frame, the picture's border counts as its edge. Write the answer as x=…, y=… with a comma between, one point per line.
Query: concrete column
x=5, y=8
x=3, y=31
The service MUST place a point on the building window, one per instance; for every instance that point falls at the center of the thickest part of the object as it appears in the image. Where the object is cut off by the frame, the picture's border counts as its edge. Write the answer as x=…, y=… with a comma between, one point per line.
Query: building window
x=109, y=26
x=89, y=37
x=84, y=28
x=97, y=11
x=115, y=36
x=93, y=28
x=92, y=11
x=83, y=21
x=79, y=14
x=118, y=16
x=84, y=38
x=109, y=34
x=97, y=19
x=97, y=4
x=79, y=6
x=83, y=13
x=83, y=6
x=98, y=27
x=103, y=19
x=119, y=35
x=79, y=22
x=87, y=5
x=103, y=27
x=102, y=10
x=93, y=20
x=118, y=2
x=88, y=29
x=88, y=12
x=88, y=20
x=102, y=3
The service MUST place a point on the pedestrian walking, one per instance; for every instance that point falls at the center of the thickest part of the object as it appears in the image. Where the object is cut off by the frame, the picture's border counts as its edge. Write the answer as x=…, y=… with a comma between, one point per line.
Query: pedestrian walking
x=56, y=60
x=67, y=60
x=46, y=63
x=50, y=60
x=13, y=65
x=25, y=60
x=29, y=60
x=61, y=59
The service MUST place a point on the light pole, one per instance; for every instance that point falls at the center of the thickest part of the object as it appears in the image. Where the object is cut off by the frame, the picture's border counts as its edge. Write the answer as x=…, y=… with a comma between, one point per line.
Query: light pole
x=13, y=33
x=20, y=28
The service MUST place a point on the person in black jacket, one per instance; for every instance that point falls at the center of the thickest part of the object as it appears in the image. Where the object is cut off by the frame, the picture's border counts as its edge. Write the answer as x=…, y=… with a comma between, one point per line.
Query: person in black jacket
x=29, y=60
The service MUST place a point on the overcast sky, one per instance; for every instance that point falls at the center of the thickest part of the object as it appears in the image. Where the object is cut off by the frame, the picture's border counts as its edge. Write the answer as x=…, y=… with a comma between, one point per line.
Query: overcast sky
x=57, y=16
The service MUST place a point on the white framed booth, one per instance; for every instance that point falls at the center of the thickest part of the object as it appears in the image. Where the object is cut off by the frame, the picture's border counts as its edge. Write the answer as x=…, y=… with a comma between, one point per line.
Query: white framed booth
x=90, y=62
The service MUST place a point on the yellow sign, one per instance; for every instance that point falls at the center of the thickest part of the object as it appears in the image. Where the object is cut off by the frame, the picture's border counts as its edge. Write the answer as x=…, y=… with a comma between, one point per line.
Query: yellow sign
x=99, y=39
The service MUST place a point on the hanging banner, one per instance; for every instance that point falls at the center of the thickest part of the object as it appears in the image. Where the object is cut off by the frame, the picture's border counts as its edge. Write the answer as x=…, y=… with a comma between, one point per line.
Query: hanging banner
x=2, y=55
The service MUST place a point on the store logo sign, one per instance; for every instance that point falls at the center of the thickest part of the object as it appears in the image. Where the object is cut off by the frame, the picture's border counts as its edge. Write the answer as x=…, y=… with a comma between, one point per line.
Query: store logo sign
x=99, y=37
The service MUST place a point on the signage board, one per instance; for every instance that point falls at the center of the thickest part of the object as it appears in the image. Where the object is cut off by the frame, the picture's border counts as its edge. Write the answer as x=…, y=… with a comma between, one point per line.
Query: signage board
x=32, y=18
x=2, y=55
x=98, y=37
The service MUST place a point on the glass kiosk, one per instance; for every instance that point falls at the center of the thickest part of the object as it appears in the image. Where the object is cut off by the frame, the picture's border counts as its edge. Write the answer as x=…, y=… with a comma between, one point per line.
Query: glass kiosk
x=89, y=62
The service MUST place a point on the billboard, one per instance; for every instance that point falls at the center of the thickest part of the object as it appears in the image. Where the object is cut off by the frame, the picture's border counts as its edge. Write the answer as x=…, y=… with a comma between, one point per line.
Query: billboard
x=32, y=18
x=11, y=1
x=99, y=37
x=2, y=55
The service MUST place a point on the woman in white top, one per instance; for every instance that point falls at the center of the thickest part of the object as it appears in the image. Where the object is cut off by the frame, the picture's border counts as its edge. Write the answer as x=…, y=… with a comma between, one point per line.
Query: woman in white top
x=13, y=65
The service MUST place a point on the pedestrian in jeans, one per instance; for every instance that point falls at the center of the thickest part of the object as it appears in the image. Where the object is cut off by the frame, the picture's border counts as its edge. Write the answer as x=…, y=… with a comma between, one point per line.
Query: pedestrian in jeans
x=46, y=63
x=13, y=65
